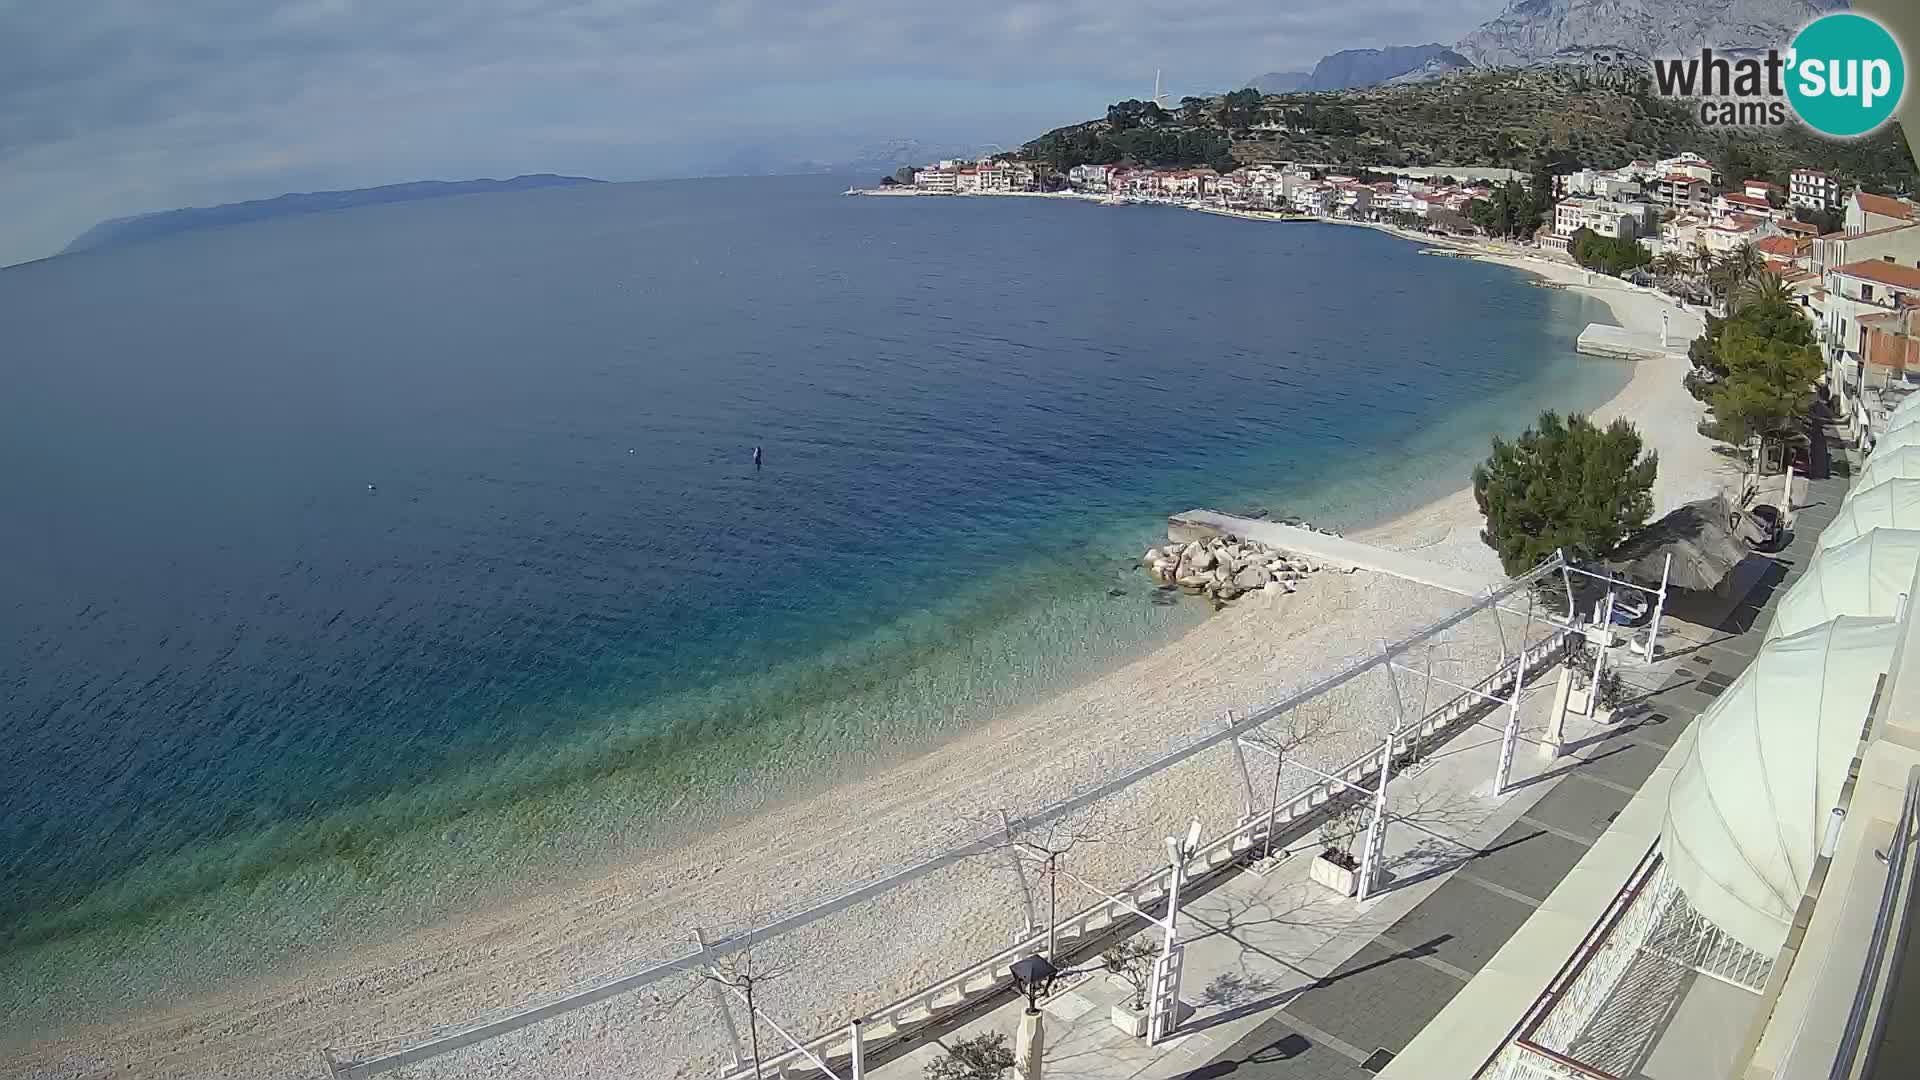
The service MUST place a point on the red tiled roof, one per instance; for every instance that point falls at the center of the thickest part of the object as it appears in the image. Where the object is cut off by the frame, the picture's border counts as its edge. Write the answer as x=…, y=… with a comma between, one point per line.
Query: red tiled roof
x=1767, y=185
x=1795, y=226
x=1753, y=201
x=1784, y=246
x=1883, y=206
x=1886, y=273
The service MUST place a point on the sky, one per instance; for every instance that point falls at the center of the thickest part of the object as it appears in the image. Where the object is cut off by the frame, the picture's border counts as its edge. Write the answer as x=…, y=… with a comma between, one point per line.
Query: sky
x=117, y=107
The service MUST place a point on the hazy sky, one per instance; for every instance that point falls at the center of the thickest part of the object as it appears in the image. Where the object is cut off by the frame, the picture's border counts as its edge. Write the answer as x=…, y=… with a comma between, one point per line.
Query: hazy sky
x=114, y=107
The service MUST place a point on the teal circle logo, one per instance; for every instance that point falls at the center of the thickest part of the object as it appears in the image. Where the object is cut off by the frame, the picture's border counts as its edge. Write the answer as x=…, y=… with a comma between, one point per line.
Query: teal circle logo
x=1845, y=74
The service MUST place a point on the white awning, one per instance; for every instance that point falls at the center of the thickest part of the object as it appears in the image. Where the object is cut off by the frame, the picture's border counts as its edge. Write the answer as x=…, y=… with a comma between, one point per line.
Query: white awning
x=1750, y=804
x=1864, y=576
x=1895, y=439
x=1891, y=504
x=1908, y=407
x=1900, y=464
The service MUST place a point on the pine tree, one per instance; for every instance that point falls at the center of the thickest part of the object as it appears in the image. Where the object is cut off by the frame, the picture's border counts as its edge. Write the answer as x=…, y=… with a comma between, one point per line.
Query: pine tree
x=1565, y=484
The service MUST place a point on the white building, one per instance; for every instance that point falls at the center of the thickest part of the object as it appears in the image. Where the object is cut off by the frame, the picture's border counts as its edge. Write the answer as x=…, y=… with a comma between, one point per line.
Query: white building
x=1859, y=289
x=1615, y=220
x=1867, y=212
x=1089, y=177
x=935, y=181
x=1813, y=188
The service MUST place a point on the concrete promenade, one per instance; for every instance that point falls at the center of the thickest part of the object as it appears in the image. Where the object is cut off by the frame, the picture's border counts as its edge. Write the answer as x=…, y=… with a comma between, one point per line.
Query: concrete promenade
x=1284, y=979
x=1619, y=343
x=1336, y=551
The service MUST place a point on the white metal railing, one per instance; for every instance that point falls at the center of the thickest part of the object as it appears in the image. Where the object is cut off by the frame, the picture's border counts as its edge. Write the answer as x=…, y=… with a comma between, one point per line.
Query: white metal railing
x=900, y=1017
x=992, y=973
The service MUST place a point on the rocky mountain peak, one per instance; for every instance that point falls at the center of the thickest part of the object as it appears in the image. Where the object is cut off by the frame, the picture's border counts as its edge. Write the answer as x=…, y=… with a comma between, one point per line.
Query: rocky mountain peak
x=1543, y=31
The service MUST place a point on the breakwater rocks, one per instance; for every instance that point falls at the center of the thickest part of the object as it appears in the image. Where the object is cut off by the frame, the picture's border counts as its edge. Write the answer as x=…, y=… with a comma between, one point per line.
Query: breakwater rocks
x=1225, y=568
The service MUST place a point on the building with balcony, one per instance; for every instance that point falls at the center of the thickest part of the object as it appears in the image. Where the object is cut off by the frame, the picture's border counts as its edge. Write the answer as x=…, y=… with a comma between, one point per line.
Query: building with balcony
x=1814, y=189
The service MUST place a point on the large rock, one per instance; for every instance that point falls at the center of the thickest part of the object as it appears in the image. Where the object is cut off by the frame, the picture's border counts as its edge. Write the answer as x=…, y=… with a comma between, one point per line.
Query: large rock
x=1252, y=577
x=1548, y=31
x=1197, y=558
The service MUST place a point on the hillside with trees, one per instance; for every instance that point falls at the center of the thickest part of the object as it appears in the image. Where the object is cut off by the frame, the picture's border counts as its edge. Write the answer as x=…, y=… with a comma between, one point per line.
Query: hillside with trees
x=1518, y=119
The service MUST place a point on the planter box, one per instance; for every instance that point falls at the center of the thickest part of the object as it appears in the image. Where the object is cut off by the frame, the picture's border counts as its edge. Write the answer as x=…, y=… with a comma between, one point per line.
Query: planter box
x=1129, y=1020
x=1579, y=702
x=1338, y=878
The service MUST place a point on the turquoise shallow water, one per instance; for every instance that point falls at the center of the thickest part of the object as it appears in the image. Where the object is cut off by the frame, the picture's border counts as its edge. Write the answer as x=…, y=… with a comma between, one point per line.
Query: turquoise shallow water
x=255, y=707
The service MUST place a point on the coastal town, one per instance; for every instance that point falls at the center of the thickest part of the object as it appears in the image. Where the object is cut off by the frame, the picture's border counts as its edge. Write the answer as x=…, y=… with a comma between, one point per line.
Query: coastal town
x=1849, y=257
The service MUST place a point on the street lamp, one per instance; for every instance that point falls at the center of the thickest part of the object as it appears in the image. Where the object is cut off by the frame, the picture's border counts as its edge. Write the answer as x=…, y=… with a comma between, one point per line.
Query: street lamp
x=1034, y=976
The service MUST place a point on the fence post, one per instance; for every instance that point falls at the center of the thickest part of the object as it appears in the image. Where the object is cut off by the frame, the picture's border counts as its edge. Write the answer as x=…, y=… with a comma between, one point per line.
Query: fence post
x=720, y=1003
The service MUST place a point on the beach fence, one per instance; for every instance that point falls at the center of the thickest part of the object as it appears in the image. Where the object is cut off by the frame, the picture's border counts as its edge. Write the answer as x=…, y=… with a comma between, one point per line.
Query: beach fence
x=842, y=1050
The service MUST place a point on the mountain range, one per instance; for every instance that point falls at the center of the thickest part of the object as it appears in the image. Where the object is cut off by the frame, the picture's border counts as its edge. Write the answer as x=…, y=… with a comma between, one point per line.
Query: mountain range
x=1351, y=68
x=116, y=231
x=1531, y=32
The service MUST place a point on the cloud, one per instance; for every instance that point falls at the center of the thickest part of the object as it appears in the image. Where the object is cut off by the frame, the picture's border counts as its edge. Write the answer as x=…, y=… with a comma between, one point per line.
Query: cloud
x=113, y=107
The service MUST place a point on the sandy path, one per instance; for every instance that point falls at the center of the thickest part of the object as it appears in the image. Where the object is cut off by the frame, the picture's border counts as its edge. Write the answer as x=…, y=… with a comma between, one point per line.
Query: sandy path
x=805, y=851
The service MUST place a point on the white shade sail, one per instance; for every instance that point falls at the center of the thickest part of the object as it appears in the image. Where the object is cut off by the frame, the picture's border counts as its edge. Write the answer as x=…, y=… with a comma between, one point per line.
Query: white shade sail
x=1909, y=406
x=1895, y=439
x=1749, y=805
x=1901, y=464
x=1864, y=576
x=1891, y=504
x=1897, y=419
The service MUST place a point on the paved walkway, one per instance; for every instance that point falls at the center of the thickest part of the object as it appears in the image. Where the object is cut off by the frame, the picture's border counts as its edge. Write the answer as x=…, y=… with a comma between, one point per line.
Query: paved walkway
x=1285, y=980
x=1342, y=552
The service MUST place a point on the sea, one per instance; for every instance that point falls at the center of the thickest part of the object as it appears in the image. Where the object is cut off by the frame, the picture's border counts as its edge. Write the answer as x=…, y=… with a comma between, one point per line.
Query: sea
x=361, y=567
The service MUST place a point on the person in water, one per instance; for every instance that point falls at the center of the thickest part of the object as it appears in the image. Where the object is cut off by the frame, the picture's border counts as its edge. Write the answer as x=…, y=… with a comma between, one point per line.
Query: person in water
x=756, y=457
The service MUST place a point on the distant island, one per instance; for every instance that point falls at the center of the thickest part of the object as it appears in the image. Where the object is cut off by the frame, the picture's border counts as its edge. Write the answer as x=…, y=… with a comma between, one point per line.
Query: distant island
x=126, y=230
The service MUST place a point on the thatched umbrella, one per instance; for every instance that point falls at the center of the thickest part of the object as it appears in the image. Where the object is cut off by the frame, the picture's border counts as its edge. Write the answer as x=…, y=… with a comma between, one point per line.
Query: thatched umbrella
x=1703, y=537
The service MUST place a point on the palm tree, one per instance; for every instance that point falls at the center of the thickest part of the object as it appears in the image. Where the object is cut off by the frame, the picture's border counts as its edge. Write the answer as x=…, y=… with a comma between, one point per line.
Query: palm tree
x=1702, y=259
x=1741, y=265
x=1764, y=288
x=1672, y=264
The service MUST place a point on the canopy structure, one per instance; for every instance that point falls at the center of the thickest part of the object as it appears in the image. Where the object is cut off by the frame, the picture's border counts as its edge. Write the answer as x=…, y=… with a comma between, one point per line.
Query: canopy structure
x=1909, y=406
x=1896, y=439
x=1891, y=504
x=1749, y=805
x=1700, y=537
x=1901, y=464
x=1897, y=419
x=1864, y=576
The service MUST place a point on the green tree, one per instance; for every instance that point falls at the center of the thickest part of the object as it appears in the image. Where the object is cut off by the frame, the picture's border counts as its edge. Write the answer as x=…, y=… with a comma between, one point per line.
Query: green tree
x=1766, y=363
x=983, y=1057
x=1827, y=221
x=1607, y=254
x=1563, y=485
x=1732, y=271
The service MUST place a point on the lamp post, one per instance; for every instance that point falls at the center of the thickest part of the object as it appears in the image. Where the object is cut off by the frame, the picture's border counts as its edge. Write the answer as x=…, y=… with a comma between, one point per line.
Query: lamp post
x=1034, y=976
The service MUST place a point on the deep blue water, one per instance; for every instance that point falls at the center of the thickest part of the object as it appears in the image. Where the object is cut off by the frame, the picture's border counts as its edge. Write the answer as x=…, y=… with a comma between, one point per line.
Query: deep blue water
x=420, y=543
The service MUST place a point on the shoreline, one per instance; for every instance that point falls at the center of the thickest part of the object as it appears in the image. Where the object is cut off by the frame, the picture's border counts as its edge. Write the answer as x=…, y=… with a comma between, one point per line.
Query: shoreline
x=508, y=954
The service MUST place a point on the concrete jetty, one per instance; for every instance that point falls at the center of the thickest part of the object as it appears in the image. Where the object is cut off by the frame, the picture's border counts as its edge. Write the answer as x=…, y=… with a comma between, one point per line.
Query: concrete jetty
x=1619, y=343
x=1330, y=550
